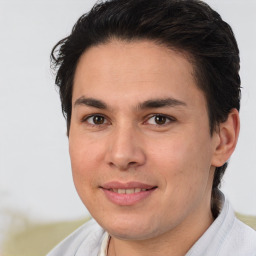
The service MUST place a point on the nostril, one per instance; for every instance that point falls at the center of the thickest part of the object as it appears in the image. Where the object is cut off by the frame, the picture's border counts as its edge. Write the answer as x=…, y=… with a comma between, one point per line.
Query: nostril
x=124, y=166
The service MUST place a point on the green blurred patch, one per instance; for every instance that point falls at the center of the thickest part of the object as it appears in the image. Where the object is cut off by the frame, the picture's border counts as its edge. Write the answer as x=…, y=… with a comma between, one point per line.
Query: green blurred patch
x=38, y=240
x=247, y=219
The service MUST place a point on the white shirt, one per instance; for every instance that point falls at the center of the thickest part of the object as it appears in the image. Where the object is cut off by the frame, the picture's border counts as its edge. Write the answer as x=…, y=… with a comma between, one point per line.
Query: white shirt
x=227, y=236
x=104, y=245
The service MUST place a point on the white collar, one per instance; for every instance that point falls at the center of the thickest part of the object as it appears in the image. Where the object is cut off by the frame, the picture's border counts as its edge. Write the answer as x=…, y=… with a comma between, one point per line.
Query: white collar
x=104, y=245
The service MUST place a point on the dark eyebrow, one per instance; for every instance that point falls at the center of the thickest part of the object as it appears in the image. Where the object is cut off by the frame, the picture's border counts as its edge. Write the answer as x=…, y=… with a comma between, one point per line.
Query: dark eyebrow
x=90, y=102
x=159, y=103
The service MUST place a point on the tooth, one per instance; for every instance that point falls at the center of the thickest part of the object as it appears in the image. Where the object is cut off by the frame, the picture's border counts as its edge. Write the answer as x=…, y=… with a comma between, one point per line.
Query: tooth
x=115, y=190
x=137, y=190
x=129, y=191
x=143, y=189
x=121, y=191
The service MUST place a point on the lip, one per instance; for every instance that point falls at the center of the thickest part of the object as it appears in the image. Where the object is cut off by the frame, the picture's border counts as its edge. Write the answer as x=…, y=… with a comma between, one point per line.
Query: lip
x=127, y=199
x=127, y=185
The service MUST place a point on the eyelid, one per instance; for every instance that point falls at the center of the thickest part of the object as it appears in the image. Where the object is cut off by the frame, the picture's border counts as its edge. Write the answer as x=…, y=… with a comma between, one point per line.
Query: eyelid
x=84, y=119
x=168, y=117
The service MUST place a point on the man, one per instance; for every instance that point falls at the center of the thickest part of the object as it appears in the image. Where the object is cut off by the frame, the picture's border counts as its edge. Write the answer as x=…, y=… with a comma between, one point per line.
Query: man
x=151, y=93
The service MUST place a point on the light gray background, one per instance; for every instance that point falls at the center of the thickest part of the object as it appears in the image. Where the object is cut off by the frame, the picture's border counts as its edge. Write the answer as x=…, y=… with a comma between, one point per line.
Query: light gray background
x=35, y=175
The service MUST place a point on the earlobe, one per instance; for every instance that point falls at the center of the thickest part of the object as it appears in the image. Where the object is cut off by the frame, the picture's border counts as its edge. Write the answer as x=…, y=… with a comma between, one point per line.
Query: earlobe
x=227, y=138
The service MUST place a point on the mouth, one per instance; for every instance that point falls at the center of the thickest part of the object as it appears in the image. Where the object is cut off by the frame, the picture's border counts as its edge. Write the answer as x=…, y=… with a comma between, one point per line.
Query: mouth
x=129, y=191
x=127, y=194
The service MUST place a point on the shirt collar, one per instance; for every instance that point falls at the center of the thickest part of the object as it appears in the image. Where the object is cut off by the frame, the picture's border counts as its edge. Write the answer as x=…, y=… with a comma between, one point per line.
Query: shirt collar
x=104, y=245
x=215, y=235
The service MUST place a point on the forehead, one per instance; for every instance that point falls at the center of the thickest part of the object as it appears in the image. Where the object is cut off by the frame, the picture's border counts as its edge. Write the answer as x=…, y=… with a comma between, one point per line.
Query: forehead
x=117, y=69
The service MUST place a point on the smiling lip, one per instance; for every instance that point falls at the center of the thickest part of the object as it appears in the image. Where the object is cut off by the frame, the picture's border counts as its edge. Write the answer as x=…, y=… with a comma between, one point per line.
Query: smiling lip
x=127, y=194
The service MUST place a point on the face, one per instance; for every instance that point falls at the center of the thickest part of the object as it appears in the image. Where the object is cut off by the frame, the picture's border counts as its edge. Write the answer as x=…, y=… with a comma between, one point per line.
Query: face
x=140, y=145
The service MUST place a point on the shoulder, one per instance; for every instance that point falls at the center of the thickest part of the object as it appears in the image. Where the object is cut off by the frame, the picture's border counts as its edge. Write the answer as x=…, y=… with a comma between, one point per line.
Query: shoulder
x=226, y=236
x=241, y=240
x=238, y=238
x=86, y=240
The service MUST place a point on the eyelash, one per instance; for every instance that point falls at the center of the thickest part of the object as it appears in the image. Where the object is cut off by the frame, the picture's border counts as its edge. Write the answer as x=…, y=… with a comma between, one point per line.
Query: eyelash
x=167, y=120
x=85, y=119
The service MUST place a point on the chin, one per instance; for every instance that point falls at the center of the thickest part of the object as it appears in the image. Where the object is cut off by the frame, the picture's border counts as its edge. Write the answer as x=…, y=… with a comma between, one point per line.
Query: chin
x=130, y=230
x=131, y=234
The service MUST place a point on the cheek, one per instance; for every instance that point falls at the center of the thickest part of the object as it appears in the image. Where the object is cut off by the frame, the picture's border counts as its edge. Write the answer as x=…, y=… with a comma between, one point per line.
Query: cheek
x=84, y=153
x=83, y=172
x=173, y=154
x=183, y=163
x=84, y=163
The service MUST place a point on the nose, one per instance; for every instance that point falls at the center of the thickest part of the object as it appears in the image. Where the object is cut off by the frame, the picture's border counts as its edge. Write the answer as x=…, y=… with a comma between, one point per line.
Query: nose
x=125, y=149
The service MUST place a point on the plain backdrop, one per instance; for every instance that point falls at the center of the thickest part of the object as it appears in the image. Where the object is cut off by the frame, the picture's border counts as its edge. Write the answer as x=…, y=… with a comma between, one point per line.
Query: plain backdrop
x=35, y=173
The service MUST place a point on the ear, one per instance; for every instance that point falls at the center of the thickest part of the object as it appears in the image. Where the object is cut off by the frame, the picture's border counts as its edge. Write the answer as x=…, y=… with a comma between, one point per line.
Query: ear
x=227, y=136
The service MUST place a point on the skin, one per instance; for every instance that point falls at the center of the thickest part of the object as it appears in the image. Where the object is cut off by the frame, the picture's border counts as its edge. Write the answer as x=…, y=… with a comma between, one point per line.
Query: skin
x=128, y=143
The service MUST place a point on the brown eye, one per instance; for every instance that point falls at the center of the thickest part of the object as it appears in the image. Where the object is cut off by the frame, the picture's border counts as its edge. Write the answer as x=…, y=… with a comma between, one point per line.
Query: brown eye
x=96, y=120
x=160, y=120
